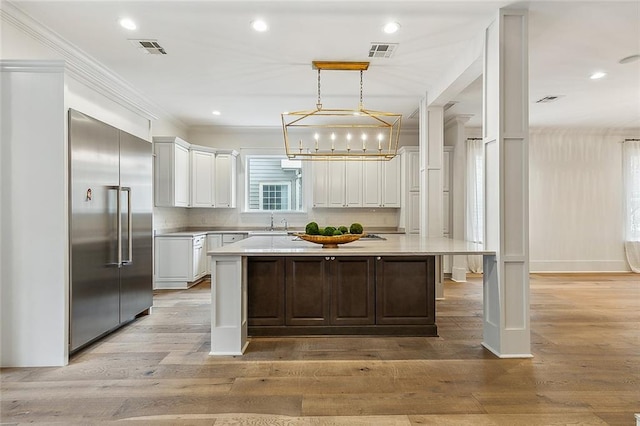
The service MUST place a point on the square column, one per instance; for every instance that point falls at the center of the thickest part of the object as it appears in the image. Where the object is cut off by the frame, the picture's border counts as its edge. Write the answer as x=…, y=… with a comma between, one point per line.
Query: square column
x=506, y=330
x=431, y=201
x=228, y=305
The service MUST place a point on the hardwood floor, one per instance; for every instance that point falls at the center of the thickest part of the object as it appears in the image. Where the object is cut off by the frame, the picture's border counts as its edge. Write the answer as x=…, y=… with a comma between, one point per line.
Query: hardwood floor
x=156, y=371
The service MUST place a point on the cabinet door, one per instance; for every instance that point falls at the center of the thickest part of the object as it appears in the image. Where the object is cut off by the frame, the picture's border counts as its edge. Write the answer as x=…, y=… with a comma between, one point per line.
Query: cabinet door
x=199, y=266
x=353, y=190
x=173, y=258
x=225, y=180
x=320, y=184
x=171, y=175
x=414, y=171
x=336, y=178
x=391, y=183
x=405, y=290
x=413, y=218
x=202, y=178
x=371, y=174
x=306, y=292
x=352, y=291
x=182, y=193
x=265, y=280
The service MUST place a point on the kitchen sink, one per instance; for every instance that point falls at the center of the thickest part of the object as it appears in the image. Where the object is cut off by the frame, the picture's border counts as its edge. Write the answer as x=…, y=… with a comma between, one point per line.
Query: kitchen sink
x=266, y=232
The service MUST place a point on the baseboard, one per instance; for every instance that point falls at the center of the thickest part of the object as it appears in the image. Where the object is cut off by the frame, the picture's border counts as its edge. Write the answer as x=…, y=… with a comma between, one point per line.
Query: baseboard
x=578, y=266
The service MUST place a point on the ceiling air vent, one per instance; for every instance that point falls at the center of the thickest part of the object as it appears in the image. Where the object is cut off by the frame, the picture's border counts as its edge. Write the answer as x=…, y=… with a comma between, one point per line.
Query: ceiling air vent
x=382, y=50
x=149, y=47
x=548, y=99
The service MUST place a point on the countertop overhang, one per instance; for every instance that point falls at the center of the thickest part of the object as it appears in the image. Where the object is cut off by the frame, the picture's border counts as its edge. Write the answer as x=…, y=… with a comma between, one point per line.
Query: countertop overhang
x=394, y=245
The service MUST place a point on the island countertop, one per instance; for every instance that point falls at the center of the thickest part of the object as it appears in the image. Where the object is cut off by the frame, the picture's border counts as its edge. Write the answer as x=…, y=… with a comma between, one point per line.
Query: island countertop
x=393, y=245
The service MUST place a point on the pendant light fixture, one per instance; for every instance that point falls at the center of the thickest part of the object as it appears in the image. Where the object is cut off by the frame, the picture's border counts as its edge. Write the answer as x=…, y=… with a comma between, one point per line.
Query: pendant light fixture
x=341, y=134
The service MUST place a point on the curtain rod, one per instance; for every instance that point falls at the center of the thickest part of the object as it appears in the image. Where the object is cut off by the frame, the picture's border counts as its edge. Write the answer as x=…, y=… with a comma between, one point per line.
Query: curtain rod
x=474, y=139
x=632, y=140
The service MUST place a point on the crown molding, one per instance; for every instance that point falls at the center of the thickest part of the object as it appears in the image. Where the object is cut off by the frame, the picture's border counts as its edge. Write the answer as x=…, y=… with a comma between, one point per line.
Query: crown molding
x=83, y=67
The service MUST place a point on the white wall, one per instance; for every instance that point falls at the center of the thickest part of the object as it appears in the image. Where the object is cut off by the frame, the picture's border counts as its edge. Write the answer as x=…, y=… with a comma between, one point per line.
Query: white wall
x=575, y=200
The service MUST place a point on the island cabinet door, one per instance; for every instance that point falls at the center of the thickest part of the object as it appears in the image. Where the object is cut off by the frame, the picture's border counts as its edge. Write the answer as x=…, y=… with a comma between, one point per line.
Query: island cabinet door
x=352, y=291
x=265, y=288
x=306, y=292
x=405, y=290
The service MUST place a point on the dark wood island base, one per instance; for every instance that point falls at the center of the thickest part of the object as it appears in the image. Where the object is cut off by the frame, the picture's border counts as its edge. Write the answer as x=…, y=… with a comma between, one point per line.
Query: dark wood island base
x=341, y=295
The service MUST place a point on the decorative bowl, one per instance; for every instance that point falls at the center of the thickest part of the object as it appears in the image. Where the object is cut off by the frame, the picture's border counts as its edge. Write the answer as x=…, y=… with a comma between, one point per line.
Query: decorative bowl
x=332, y=241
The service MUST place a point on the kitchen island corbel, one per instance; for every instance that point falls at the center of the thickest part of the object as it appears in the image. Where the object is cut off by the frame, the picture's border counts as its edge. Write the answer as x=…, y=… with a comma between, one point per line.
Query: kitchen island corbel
x=364, y=287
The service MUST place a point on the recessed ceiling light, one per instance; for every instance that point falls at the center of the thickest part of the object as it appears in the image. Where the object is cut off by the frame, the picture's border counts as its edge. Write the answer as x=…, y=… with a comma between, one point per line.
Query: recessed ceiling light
x=597, y=75
x=128, y=24
x=216, y=112
x=259, y=25
x=391, y=27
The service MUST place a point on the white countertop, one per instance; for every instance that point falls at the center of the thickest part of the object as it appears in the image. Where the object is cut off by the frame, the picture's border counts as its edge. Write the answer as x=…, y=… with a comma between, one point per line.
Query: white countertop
x=394, y=245
x=183, y=234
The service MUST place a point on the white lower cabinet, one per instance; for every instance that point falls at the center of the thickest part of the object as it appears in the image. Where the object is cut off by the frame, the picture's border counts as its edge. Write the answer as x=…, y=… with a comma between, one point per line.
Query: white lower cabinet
x=180, y=261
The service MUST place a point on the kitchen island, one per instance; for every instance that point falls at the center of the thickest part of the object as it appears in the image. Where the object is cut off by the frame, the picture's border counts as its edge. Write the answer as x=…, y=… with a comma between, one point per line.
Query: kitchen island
x=281, y=285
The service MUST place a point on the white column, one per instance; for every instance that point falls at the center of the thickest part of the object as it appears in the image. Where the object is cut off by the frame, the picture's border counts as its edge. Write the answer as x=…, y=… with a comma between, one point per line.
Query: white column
x=228, y=305
x=458, y=192
x=506, y=330
x=431, y=156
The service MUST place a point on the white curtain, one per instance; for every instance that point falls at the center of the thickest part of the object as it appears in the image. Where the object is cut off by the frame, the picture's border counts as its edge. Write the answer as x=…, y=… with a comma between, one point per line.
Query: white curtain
x=631, y=169
x=474, y=227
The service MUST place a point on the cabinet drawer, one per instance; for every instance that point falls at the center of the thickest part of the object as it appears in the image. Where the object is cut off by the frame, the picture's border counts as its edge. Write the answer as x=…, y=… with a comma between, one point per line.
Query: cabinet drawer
x=232, y=238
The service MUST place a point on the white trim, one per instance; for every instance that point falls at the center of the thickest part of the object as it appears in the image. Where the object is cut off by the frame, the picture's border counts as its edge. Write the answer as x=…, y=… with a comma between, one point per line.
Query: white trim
x=578, y=266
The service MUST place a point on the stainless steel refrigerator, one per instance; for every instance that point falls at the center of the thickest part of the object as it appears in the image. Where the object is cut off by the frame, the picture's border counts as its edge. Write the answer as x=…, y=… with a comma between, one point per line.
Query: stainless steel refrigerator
x=110, y=191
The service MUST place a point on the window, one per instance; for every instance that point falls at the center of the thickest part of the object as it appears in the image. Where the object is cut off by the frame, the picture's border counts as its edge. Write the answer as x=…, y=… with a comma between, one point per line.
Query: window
x=275, y=196
x=631, y=169
x=274, y=183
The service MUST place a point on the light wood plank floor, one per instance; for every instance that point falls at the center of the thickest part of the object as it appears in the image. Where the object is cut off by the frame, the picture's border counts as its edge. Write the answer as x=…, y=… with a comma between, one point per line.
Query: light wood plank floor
x=156, y=371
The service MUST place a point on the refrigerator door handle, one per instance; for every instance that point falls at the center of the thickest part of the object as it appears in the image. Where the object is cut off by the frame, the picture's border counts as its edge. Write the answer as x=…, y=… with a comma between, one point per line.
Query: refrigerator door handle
x=129, y=258
x=118, y=256
x=119, y=231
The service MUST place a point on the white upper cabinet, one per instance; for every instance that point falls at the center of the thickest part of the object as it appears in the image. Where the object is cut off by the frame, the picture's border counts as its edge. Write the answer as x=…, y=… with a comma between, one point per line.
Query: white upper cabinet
x=391, y=183
x=371, y=176
x=193, y=176
x=353, y=184
x=202, y=178
x=381, y=183
x=336, y=183
x=225, y=179
x=320, y=183
x=356, y=183
x=171, y=171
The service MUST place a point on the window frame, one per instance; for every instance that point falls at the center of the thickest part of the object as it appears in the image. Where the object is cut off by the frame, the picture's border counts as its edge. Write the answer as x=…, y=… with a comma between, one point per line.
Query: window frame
x=304, y=188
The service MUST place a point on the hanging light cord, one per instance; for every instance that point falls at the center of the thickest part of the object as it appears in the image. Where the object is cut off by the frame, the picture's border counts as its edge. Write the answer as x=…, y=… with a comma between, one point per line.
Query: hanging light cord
x=361, y=107
x=319, y=104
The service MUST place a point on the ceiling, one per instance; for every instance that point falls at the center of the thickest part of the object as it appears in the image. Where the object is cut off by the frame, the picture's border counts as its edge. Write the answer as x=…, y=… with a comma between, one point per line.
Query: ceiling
x=216, y=61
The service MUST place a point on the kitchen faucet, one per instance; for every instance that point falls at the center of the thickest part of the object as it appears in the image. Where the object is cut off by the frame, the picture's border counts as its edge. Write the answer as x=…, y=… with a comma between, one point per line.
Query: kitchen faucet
x=286, y=225
x=271, y=228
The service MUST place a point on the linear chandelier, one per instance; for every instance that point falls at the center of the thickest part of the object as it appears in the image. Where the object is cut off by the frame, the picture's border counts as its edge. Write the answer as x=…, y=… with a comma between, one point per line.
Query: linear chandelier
x=341, y=134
